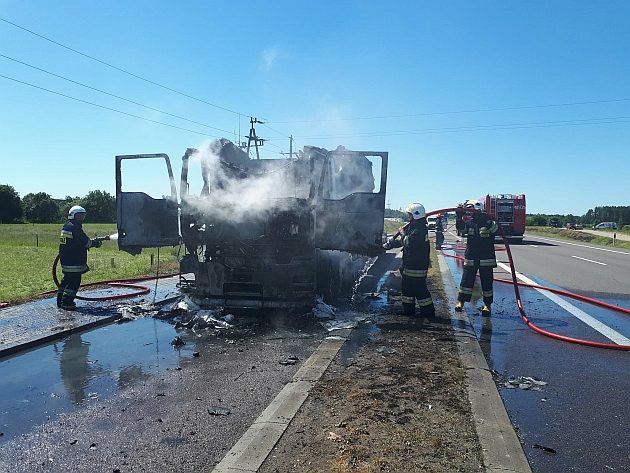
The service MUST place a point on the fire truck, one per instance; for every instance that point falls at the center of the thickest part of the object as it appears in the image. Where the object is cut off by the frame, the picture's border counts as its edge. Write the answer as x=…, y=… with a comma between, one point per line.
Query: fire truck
x=508, y=210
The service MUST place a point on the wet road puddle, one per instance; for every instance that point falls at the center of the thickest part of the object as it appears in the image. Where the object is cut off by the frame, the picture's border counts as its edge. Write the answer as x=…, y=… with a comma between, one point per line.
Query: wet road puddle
x=84, y=368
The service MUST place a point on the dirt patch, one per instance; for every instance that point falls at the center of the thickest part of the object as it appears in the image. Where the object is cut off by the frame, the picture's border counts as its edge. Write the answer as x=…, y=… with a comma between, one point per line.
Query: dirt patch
x=400, y=405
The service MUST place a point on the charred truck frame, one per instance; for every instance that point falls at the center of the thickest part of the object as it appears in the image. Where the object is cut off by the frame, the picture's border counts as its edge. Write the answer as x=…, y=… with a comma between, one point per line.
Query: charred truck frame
x=262, y=232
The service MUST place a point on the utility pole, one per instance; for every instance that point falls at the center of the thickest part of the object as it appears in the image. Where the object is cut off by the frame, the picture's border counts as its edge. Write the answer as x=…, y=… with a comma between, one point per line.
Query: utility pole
x=252, y=137
x=290, y=153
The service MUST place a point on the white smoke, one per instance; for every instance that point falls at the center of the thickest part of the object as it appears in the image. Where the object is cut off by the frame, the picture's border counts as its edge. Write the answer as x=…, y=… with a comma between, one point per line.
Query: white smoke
x=242, y=192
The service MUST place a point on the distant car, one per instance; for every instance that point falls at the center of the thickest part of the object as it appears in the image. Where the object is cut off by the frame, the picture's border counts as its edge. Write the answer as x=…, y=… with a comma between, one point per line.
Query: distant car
x=571, y=226
x=605, y=225
x=554, y=222
x=431, y=222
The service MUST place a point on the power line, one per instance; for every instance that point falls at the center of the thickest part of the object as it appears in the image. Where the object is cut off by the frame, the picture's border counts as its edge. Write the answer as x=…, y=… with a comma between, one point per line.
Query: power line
x=507, y=126
x=284, y=136
x=106, y=108
x=265, y=124
x=120, y=69
x=454, y=112
x=113, y=95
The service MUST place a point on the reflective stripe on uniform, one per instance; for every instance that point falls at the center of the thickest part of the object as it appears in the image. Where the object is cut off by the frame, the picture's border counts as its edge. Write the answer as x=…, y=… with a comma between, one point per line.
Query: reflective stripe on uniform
x=469, y=262
x=408, y=300
x=69, y=292
x=425, y=302
x=465, y=290
x=66, y=233
x=415, y=273
x=488, y=293
x=494, y=227
x=487, y=262
x=74, y=269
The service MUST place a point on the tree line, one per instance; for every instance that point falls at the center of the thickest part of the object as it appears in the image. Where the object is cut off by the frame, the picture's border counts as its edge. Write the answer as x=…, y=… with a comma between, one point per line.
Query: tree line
x=42, y=208
x=620, y=214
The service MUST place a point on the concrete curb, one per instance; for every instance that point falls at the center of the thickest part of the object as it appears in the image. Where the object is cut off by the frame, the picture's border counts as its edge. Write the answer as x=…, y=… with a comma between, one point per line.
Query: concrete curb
x=249, y=453
x=500, y=446
x=35, y=343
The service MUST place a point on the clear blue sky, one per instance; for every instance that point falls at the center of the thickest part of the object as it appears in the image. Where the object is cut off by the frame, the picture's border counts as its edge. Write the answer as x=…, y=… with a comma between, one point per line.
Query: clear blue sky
x=518, y=75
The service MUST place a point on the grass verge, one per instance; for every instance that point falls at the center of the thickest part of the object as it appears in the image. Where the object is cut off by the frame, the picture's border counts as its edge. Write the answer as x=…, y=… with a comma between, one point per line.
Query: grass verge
x=27, y=253
x=577, y=235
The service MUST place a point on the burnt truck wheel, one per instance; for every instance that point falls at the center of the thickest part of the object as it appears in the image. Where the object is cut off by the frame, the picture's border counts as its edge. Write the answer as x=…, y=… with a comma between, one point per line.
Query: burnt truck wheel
x=328, y=278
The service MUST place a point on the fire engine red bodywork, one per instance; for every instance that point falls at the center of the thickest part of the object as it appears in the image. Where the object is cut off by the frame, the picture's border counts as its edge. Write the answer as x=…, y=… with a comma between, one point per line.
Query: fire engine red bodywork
x=508, y=210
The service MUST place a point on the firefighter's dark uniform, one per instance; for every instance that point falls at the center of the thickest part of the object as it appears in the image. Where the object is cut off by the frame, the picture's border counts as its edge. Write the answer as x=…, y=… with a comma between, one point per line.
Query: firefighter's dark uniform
x=479, y=256
x=439, y=232
x=73, y=246
x=415, y=265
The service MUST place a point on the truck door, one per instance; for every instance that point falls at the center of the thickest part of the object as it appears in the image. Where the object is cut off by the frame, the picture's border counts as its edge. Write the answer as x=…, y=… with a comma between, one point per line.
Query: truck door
x=144, y=221
x=350, y=202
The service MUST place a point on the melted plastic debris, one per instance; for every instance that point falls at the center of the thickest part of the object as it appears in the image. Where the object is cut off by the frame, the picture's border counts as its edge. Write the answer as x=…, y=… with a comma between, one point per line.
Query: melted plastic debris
x=178, y=342
x=186, y=314
x=386, y=350
x=133, y=312
x=349, y=319
x=525, y=382
x=340, y=324
x=218, y=411
x=323, y=310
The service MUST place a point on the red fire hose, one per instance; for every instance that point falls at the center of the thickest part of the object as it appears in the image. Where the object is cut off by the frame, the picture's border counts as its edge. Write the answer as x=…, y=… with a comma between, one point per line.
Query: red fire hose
x=519, y=302
x=140, y=290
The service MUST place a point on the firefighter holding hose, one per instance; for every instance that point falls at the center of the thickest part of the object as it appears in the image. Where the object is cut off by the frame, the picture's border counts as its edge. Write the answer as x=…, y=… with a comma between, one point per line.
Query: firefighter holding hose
x=415, y=261
x=480, y=256
x=73, y=247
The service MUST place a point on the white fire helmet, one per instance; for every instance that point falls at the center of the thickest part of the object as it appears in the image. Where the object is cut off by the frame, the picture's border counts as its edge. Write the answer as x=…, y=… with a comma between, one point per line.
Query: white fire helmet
x=75, y=209
x=474, y=204
x=416, y=210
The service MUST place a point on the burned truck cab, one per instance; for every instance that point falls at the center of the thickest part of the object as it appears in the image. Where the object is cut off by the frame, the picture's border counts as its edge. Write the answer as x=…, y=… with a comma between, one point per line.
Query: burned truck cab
x=265, y=232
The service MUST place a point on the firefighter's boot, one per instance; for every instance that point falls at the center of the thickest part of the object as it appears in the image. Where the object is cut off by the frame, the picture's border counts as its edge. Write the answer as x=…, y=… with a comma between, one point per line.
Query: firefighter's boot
x=409, y=310
x=459, y=306
x=485, y=310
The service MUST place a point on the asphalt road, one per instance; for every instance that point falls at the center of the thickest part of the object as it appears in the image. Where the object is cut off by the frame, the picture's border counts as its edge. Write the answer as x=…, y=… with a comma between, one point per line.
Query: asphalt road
x=574, y=265
x=122, y=397
x=578, y=421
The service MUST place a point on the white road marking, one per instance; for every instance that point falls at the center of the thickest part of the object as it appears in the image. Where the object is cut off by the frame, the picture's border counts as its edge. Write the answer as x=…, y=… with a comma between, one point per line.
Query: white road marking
x=583, y=246
x=592, y=322
x=589, y=260
x=533, y=246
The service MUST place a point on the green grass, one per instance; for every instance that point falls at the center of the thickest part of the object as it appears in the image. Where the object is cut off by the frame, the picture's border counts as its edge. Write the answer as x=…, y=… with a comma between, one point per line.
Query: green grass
x=27, y=253
x=577, y=236
x=392, y=225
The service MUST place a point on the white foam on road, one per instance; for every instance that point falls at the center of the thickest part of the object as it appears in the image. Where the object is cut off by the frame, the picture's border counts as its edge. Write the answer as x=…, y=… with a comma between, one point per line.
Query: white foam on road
x=592, y=322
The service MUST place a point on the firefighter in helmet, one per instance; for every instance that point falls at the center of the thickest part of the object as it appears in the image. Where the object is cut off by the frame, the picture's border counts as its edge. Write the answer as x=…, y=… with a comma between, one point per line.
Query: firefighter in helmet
x=73, y=246
x=415, y=262
x=440, y=226
x=480, y=256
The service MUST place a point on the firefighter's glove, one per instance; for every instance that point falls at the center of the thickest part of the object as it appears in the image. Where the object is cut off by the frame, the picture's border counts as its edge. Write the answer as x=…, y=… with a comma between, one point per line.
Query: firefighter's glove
x=96, y=243
x=484, y=232
x=389, y=244
x=392, y=243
